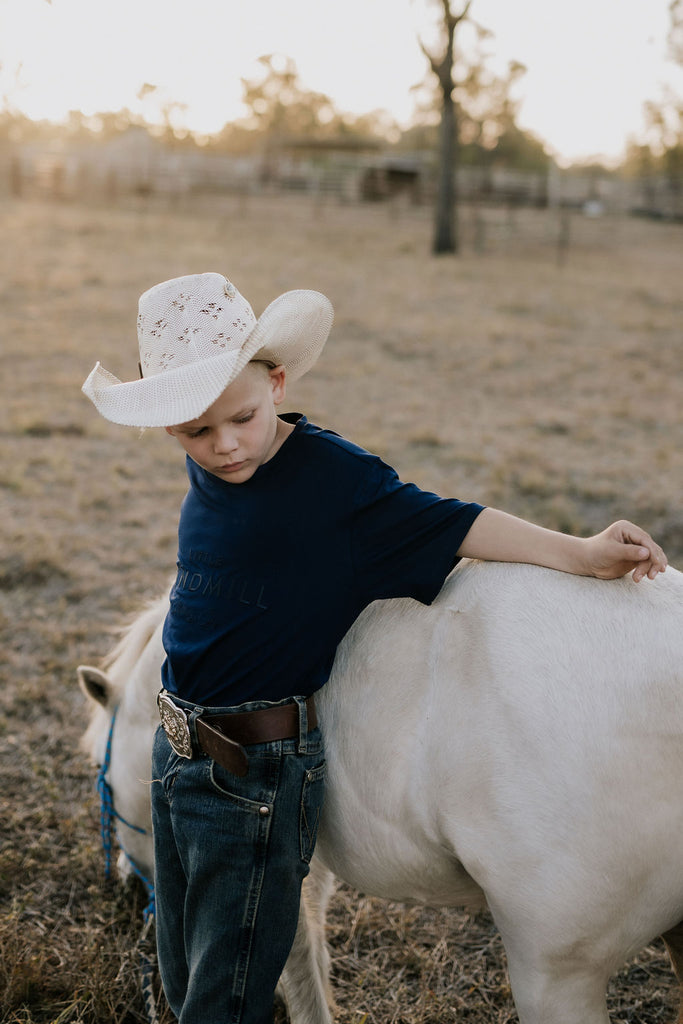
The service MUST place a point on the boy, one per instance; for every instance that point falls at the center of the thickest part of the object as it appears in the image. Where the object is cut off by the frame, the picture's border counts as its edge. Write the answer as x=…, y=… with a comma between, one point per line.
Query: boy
x=286, y=533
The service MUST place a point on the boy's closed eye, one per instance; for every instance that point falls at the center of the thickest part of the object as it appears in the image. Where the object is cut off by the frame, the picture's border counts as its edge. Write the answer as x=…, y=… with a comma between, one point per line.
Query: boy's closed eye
x=239, y=421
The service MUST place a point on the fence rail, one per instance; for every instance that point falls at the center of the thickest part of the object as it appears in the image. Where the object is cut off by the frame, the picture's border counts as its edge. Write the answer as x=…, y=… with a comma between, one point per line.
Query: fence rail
x=143, y=168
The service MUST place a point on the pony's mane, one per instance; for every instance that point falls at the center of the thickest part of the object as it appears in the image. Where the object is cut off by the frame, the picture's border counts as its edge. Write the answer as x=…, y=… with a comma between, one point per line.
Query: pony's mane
x=133, y=638
x=118, y=665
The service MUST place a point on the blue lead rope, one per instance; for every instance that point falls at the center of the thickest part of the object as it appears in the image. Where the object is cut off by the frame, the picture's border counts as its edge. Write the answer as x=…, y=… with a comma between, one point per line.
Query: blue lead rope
x=108, y=816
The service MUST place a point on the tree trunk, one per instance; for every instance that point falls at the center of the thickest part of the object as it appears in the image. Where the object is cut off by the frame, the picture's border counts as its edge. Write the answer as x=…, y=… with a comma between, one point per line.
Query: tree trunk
x=446, y=219
x=446, y=222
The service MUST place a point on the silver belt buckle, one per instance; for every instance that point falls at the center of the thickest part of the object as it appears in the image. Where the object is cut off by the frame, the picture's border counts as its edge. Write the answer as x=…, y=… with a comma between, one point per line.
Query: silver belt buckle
x=174, y=721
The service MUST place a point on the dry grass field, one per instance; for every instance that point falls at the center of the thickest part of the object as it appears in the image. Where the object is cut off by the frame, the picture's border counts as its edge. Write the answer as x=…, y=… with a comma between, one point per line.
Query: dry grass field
x=550, y=390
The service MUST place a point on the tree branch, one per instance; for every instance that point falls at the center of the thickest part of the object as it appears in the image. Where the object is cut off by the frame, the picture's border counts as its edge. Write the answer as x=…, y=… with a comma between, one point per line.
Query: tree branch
x=443, y=67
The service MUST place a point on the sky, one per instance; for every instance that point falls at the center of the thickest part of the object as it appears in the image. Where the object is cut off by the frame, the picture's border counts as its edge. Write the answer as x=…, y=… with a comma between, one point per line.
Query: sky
x=591, y=64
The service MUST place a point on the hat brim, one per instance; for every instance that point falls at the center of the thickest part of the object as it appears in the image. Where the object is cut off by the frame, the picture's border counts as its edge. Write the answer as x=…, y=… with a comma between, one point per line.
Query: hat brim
x=291, y=331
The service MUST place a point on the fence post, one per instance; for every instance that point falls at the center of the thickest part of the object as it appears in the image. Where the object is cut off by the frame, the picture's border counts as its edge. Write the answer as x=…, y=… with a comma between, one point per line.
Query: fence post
x=563, y=236
x=15, y=176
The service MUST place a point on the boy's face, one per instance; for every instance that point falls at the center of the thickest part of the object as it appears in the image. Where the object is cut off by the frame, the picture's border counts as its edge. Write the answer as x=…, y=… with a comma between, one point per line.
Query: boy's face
x=240, y=431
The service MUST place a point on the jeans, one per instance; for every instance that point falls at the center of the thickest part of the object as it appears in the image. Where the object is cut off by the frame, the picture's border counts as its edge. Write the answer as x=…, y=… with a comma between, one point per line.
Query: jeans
x=230, y=856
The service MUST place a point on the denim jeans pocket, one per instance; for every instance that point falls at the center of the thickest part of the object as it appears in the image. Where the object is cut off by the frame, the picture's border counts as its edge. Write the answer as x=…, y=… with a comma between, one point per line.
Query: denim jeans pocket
x=254, y=791
x=312, y=797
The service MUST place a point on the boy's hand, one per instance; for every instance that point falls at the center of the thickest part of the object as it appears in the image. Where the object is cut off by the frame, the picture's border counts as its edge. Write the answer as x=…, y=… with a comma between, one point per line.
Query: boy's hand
x=623, y=547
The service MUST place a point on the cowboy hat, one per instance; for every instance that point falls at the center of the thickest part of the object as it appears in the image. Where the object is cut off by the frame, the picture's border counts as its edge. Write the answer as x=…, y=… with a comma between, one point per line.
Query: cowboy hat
x=196, y=334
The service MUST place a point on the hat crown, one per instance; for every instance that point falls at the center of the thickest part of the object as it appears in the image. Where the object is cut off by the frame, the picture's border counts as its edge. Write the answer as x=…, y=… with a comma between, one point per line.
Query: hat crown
x=189, y=319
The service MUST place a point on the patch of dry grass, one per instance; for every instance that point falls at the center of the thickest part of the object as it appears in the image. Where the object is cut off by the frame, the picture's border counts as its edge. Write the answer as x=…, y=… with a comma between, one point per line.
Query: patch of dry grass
x=552, y=392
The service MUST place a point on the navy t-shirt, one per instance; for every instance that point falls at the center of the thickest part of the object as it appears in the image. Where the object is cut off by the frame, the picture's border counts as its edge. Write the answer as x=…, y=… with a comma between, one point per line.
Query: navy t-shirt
x=273, y=572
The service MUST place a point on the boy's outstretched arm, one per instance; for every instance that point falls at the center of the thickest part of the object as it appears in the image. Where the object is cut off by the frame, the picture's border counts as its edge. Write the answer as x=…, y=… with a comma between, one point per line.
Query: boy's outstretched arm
x=622, y=547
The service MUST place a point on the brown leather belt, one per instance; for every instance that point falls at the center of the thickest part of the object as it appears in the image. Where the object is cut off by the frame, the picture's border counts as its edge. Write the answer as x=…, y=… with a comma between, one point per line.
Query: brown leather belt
x=263, y=726
x=223, y=737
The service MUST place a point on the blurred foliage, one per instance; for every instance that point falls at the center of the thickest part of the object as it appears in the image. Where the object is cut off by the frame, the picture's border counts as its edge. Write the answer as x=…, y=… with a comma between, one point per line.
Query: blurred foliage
x=676, y=31
x=281, y=110
x=489, y=134
x=662, y=152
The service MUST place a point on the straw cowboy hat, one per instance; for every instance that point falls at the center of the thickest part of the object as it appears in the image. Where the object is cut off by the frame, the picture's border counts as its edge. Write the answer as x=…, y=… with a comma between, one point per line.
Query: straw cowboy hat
x=196, y=334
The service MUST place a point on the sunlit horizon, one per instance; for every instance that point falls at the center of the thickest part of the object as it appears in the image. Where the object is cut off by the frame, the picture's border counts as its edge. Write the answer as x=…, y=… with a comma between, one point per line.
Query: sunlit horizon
x=590, y=69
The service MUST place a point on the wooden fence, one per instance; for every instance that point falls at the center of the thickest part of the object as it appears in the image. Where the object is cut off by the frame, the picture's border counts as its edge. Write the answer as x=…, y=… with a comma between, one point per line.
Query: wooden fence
x=143, y=168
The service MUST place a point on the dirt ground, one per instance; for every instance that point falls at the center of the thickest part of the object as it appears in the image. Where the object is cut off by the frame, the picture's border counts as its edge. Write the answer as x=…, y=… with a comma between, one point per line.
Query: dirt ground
x=548, y=387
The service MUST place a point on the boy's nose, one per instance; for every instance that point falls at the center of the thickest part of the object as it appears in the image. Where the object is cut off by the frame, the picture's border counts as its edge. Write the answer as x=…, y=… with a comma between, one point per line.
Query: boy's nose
x=225, y=441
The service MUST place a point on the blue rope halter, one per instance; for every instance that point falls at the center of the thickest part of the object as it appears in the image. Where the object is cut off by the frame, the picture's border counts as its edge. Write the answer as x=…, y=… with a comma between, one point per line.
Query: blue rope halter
x=108, y=816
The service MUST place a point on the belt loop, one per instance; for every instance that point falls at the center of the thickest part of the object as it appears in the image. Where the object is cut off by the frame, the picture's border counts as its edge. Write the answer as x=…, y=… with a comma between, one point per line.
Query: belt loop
x=303, y=725
x=192, y=724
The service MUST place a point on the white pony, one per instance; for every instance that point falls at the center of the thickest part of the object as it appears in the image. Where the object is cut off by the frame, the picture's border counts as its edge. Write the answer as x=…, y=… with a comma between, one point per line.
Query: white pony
x=519, y=744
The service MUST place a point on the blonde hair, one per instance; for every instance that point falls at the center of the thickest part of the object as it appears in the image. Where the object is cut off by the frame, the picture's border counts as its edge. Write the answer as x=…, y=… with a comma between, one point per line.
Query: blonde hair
x=267, y=364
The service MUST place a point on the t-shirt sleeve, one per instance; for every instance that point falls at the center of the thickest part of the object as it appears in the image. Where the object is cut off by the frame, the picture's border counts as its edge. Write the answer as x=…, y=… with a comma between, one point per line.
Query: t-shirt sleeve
x=404, y=540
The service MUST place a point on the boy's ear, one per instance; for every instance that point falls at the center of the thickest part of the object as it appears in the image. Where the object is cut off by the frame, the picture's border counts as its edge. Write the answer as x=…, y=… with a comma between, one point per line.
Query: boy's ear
x=170, y=430
x=278, y=381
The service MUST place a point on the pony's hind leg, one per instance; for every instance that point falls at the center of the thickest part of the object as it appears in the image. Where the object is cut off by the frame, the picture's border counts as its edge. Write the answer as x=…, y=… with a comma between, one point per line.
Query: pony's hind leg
x=305, y=981
x=674, y=943
x=554, y=983
x=566, y=999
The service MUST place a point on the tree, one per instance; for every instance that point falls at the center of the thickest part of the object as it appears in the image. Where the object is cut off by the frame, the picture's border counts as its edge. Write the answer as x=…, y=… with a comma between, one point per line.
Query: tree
x=283, y=113
x=446, y=222
x=488, y=133
x=280, y=106
x=663, y=154
x=676, y=31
